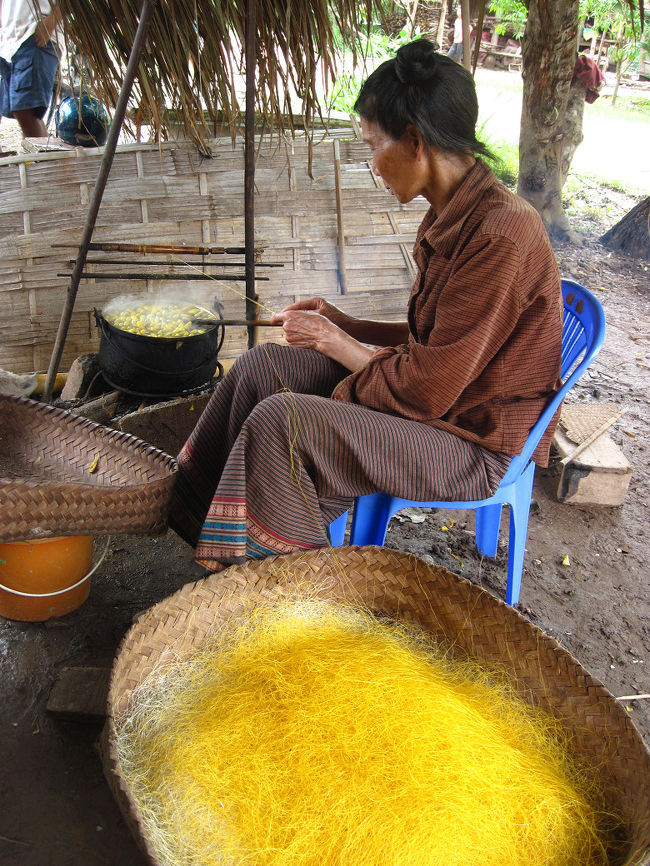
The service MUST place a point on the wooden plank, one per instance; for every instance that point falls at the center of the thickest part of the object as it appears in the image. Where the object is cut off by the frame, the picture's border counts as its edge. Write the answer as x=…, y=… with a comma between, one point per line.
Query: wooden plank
x=80, y=693
x=600, y=475
x=102, y=410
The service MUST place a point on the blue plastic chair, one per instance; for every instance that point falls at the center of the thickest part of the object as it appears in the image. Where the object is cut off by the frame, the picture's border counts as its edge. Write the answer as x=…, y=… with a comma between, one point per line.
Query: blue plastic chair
x=583, y=333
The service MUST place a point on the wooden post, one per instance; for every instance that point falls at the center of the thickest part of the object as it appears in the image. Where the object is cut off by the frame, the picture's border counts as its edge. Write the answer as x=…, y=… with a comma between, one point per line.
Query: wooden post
x=249, y=169
x=442, y=24
x=479, y=36
x=464, y=7
x=343, y=279
x=146, y=15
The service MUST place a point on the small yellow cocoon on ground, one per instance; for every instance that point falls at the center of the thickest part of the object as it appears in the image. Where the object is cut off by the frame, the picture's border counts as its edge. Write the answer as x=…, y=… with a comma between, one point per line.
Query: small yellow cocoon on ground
x=314, y=734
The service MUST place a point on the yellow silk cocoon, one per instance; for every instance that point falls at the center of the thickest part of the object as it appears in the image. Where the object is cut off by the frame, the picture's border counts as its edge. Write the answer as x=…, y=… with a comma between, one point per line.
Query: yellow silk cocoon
x=316, y=734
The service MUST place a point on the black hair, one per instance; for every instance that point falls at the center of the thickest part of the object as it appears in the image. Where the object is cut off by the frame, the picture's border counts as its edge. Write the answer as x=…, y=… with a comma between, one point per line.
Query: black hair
x=429, y=90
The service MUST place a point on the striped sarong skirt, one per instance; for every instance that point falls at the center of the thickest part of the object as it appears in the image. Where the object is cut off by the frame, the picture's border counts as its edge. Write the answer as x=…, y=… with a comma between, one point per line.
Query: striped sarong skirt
x=273, y=460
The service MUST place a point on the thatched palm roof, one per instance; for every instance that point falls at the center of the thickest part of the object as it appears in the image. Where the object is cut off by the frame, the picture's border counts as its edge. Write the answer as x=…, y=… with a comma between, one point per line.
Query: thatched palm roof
x=194, y=55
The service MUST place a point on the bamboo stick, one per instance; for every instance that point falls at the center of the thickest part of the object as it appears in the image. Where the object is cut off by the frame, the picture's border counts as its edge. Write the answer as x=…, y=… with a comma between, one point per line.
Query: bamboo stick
x=591, y=438
x=343, y=280
x=250, y=32
x=200, y=263
x=110, y=247
x=137, y=276
x=248, y=323
x=633, y=698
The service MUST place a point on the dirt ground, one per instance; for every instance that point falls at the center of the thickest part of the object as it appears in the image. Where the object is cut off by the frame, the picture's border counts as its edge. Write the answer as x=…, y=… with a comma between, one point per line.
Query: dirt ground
x=55, y=805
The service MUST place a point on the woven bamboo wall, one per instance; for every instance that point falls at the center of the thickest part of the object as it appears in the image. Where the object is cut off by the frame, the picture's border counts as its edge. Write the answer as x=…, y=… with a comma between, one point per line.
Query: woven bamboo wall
x=174, y=195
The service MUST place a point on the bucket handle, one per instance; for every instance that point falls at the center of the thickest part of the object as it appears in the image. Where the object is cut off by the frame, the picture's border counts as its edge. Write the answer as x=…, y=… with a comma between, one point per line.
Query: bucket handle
x=67, y=588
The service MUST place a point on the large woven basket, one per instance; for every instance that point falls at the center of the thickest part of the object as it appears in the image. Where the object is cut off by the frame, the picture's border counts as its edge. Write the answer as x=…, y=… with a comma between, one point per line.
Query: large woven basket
x=456, y=611
x=61, y=474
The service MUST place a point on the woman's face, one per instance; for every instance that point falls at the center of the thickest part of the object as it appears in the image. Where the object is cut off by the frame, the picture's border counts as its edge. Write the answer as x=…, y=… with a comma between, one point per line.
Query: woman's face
x=396, y=162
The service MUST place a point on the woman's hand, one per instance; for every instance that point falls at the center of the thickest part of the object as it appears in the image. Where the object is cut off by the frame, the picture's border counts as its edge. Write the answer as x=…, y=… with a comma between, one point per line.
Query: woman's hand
x=323, y=308
x=363, y=331
x=305, y=328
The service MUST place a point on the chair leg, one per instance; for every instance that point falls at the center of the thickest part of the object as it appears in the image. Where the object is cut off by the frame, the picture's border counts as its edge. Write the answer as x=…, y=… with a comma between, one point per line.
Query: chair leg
x=519, y=512
x=336, y=530
x=488, y=523
x=370, y=519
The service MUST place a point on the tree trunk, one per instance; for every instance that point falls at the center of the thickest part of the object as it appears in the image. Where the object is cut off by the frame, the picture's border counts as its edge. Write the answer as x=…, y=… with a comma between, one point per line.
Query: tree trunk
x=548, y=55
x=619, y=69
x=573, y=135
x=632, y=233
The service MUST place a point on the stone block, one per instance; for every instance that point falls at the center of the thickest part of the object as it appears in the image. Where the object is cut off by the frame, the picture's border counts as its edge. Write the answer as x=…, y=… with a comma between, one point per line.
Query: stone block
x=599, y=475
x=84, y=379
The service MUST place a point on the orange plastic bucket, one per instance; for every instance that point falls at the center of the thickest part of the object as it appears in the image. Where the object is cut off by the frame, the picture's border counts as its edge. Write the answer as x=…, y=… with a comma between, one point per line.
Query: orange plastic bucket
x=46, y=577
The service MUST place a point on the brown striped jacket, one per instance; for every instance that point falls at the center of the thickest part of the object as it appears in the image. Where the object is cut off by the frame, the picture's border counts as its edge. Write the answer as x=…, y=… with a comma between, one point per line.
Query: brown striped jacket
x=485, y=316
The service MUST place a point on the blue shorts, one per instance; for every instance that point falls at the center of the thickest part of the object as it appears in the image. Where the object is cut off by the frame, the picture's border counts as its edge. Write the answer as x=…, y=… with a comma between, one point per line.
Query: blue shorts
x=28, y=80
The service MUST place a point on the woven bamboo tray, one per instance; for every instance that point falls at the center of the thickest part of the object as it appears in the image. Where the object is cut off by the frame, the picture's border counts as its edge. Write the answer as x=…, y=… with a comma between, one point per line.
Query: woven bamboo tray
x=61, y=474
x=454, y=610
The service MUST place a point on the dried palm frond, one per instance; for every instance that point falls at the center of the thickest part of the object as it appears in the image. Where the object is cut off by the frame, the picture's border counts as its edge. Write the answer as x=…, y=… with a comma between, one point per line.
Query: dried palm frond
x=192, y=66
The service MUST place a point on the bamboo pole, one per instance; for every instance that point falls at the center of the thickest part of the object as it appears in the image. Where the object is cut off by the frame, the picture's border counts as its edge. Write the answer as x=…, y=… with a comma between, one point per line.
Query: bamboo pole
x=442, y=23
x=111, y=247
x=248, y=323
x=343, y=279
x=179, y=264
x=249, y=167
x=154, y=276
x=464, y=8
x=146, y=14
x=479, y=36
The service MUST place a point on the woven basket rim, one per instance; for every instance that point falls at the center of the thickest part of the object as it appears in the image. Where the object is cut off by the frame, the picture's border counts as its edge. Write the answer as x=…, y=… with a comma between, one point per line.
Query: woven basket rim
x=73, y=420
x=182, y=621
x=130, y=492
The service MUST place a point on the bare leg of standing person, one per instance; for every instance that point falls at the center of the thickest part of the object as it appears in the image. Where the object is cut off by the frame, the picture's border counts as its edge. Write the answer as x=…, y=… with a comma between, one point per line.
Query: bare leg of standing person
x=32, y=126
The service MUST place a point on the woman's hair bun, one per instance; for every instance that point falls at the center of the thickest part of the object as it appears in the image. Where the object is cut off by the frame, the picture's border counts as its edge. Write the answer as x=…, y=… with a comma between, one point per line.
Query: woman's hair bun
x=416, y=62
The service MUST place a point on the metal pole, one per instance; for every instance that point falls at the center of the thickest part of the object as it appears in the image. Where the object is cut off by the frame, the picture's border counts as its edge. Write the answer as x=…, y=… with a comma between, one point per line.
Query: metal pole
x=249, y=169
x=146, y=15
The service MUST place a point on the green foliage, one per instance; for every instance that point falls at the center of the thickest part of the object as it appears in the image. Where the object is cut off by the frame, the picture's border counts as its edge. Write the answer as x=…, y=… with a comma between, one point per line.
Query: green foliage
x=343, y=93
x=603, y=13
x=505, y=157
x=512, y=15
x=377, y=47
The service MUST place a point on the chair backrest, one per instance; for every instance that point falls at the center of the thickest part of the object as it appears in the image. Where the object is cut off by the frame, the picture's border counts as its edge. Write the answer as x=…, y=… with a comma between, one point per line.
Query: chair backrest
x=583, y=332
x=584, y=324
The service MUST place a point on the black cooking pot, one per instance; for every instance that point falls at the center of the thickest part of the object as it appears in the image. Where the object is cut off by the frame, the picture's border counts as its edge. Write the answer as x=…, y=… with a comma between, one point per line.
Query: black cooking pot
x=157, y=366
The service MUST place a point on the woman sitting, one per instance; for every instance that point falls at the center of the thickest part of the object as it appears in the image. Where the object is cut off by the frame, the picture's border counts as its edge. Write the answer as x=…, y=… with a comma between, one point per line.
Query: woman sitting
x=294, y=433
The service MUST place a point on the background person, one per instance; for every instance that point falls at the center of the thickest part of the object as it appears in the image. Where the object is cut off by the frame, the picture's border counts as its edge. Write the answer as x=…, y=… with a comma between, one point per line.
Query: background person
x=29, y=58
x=456, y=50
x=294, y=433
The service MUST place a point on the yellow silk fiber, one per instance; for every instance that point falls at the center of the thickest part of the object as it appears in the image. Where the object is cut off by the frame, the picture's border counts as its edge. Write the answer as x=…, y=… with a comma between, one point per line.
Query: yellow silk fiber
x=315, y=734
